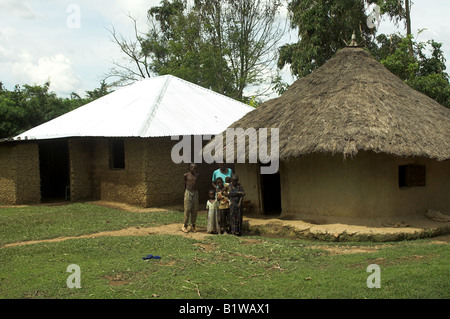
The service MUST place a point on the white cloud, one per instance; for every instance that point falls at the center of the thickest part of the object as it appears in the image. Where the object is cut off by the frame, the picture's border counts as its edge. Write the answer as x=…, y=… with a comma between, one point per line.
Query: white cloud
x=117, y=12
x=6, y=55
x=56, y=68
x=36, y=44
x=6, y=33
x=18, y=8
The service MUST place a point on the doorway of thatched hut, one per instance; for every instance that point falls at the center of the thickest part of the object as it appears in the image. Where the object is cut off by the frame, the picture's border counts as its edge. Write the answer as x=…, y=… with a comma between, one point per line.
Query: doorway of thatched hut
x=54, y=170
x=271, y=194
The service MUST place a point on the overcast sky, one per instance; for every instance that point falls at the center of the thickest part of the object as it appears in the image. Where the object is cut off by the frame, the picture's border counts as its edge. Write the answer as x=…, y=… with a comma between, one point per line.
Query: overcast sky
x=68, y=42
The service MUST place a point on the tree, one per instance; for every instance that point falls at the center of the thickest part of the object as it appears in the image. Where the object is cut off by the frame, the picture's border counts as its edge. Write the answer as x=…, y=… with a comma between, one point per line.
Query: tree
x=135, y=65
x=12, y=116
x=324, y=27
x=31, y=105
x=177, y=44
x=98, y=92
x=398, y=10
x=423, y=72
x=250, y=33
x=223, y=45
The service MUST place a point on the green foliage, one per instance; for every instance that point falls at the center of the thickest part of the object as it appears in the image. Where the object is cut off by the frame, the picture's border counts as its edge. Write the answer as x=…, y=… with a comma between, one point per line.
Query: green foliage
x=401, y=62
x=221, y=45
x=423, y=72
x=12, y=117
x=435, y=86
x=97, y=92
x=394, y=9
x=31, y=105
x=324, y=27
x=178, y=48
x=254, y=102
x=279, y=86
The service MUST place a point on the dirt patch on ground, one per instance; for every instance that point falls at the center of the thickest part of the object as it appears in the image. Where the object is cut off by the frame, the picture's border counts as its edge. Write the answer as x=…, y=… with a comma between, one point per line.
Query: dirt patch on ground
x=172, y=229
x=266, y=229
x=117, y=280
x=206, y=247
x=340, y=232
x=340, y=250
x=441, y=239
x=128, y=208
x=245, y=241
x=15, y=206
x=375, y=231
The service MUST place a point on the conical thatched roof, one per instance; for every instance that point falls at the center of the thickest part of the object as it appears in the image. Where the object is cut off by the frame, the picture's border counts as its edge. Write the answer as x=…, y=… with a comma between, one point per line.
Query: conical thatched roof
x=352, y=104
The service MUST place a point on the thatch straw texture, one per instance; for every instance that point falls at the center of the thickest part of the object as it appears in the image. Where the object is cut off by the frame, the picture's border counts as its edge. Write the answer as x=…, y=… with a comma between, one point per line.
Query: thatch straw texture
x=352, y=104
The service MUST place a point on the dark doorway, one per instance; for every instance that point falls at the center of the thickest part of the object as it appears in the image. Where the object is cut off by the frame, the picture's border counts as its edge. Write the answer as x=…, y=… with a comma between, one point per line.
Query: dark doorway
x=271, y=193
x=117, y=154
x=54, y=170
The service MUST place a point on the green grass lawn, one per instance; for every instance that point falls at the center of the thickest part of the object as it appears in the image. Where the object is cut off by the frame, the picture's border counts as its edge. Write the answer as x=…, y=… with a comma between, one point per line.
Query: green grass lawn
x=216, y=267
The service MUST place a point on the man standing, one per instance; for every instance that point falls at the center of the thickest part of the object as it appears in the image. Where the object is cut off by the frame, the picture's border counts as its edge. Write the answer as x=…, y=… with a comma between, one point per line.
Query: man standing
x=190, y=198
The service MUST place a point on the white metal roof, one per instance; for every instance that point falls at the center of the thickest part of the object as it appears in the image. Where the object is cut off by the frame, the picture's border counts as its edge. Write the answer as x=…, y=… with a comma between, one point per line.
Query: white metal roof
x=159, y=106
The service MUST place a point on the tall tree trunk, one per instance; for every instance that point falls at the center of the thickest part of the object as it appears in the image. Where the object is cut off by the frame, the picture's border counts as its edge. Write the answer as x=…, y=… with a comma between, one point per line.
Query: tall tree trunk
x=408, y=17
x=408, y=24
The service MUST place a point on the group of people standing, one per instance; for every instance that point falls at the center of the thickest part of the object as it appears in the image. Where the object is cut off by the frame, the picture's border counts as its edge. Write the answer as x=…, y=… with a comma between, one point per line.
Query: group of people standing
x=224, y=205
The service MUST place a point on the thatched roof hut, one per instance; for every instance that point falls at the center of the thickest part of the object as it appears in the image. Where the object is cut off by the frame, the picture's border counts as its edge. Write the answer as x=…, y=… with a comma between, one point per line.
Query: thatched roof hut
x=387, y=132
x=352, y=104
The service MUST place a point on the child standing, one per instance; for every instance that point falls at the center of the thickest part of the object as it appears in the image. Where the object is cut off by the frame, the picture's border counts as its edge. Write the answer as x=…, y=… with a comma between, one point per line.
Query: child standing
x=224, y=206
x=219, y=185
x=213, y=226
x=227, y=181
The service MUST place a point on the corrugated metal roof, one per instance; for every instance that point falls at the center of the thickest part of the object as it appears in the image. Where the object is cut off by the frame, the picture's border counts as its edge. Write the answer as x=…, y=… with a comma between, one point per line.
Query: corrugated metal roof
x=154, y=107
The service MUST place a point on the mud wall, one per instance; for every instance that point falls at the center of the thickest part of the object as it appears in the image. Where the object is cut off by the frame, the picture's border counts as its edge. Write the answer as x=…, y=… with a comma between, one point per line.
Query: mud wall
x=366, y=186
x=7, y=182
x=19, y=173
x=26, y=157
x=164, y=178
x=330, y=188
x=150, y=177
x=81, y=169
x=119, y=185
x=249, y=177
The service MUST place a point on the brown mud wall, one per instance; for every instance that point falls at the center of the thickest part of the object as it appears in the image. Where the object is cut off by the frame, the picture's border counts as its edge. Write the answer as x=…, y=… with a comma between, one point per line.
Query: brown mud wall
x=150, y=177
x=19, y=174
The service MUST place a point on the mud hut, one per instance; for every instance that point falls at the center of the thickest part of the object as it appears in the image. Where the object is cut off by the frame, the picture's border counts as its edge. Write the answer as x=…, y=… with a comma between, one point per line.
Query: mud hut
x=355, y=142
x=117, y=148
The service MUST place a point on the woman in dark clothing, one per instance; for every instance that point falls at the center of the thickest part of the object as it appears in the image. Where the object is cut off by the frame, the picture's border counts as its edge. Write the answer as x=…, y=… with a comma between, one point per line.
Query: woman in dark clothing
x=236, y=193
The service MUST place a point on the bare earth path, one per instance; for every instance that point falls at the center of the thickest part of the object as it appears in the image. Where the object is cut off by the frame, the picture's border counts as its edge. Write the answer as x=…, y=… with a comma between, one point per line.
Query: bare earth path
x=172, y=229
x=273, y=226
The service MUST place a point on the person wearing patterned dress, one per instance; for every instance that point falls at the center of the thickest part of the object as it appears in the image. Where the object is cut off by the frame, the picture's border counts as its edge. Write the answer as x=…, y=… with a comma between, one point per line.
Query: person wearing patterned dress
x=212, y=205
x=236, y=194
